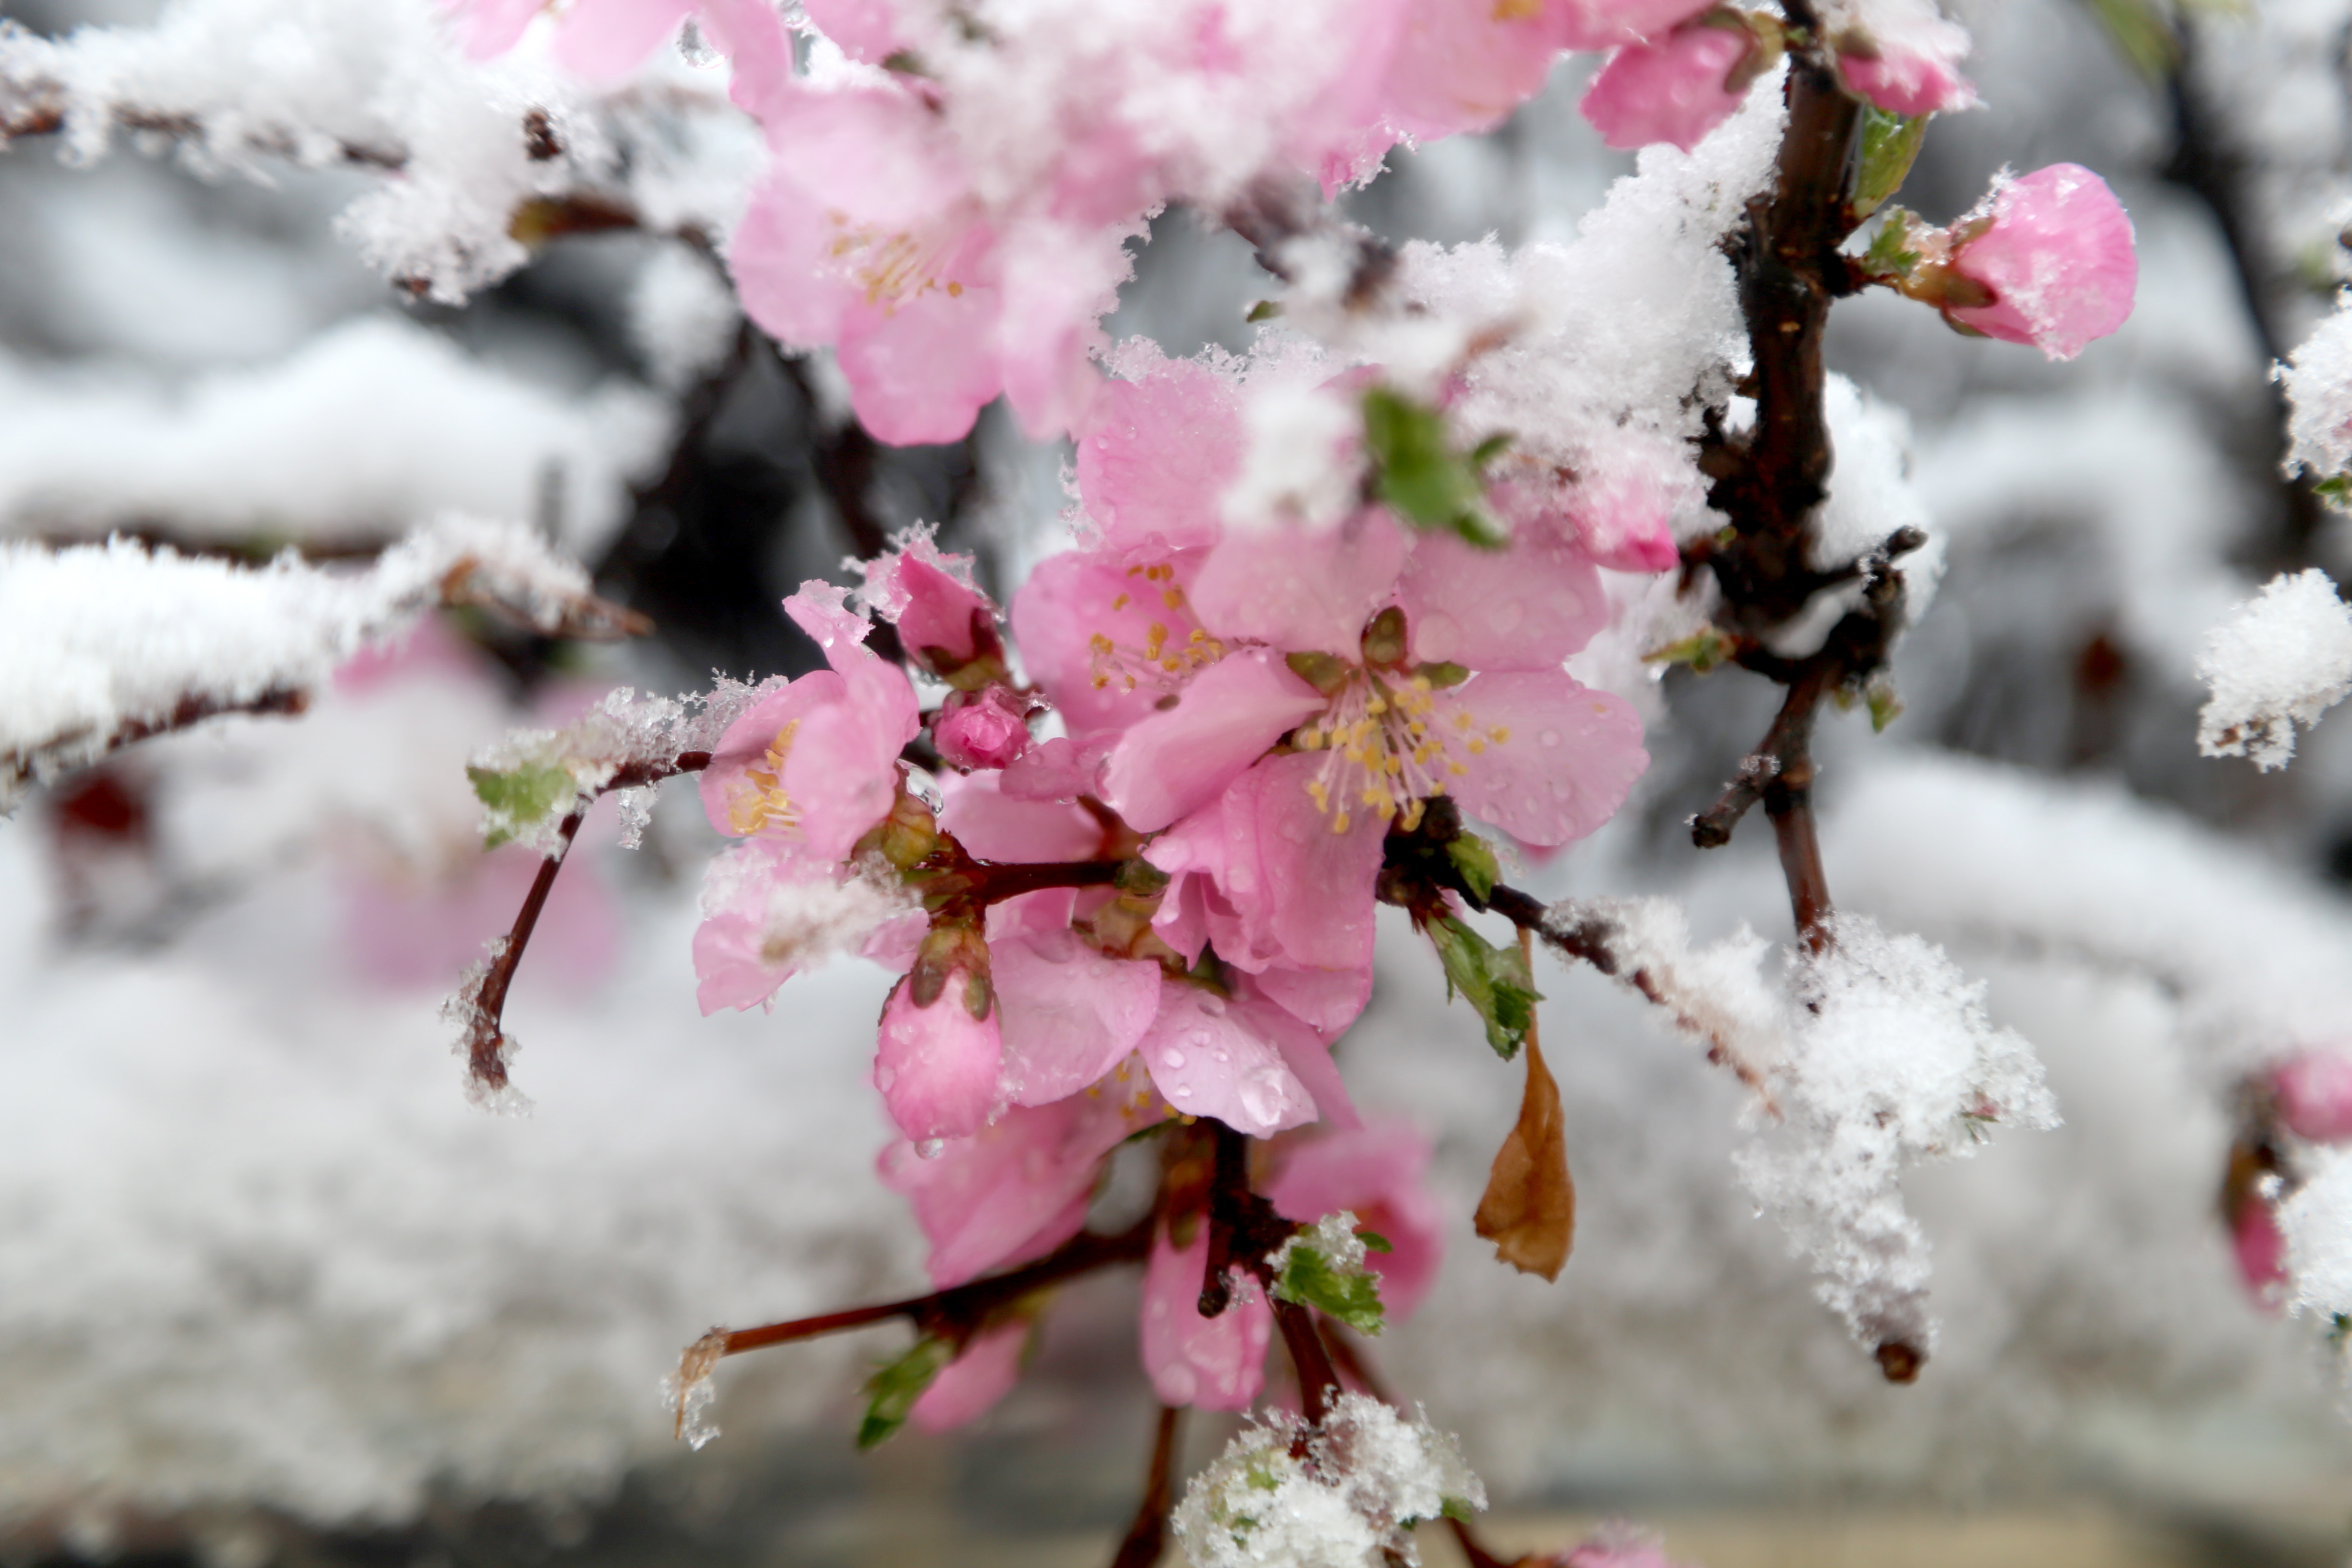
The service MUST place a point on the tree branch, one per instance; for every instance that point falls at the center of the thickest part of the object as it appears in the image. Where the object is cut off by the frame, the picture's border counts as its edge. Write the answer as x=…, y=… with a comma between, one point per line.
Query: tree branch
x=1147, y=1538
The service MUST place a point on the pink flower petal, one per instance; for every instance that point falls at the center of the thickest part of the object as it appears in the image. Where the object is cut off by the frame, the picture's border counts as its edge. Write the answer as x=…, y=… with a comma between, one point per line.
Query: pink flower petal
x=1157, y=455
x=1463, y=65
x=742, y=789
x=1603, y=24
x=1070, y=1013
x=2314, y=1096
x=1673, y=91
x=1299, y=590
x=1208, y=1363
x=603, y=40
x=863, y=29
x=968, y=1386
x=921, y=371
x=1071, y=600
x=1570, y=757
x=1059, y=284
x=937, y=1067
x=1528, y=607
x=1207, y=1059
x=494, y=26
x=1175, y=762
x=994, y=825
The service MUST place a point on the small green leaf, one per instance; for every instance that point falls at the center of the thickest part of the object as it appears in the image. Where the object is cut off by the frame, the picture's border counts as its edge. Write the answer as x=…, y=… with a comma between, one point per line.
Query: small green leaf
x=1457, y=1507
x=1702, y=651
x=1340, y=1288
x=1890, y=145
x=891, y=1392
x=1444, y=673
x=1892, y=256
x=1487, y=450
x=1264, y=310
x=519, y=797
x=1886, y=705
x=2336, y=489
x=1474, y=857
x=1419, y=475
x=1495, y=980
x=1375, y=1242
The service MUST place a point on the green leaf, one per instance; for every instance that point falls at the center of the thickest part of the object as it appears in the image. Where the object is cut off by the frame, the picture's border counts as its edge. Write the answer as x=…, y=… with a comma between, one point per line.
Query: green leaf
x=1891, y=255
x=1417, y=473
x=1702, y=651
x=1495, y=980
x=2142, y=34
x=1487, y=450
x=2336, y=489
x=1890, y=145
x=1457, y=1507
x=519, y=797
x=1350, y=1294
x=1375, y=1242
x=1264, y=310
x=1886, y=705
x=891, y=1392
x=1474, y=857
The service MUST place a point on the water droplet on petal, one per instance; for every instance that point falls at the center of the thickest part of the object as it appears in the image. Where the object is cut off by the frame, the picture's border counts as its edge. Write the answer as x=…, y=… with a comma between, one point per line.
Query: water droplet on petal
x=930, y=1148
x=1549, y=737
x=884, y=1077
x=1172, y=1057
x=1214, y=1006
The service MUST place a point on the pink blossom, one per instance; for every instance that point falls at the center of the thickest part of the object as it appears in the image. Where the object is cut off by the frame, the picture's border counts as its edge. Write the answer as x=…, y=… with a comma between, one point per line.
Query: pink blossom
x=968, y=1386
x=2315, y=1095
x=1618, y=1547
x=1069, y=1014
x=1528, y=607
x=863, y=29
x=1911, y=65
x=1018, y=1187
x=1157, y=455
x=1463, y=65
x=1674, y=90
x=603, y=40
x=993, y=823
x=1604, y=24
x=943, y=620
x=1300, y=589
x=1378, y=1172
x=1097, y=630
x=1210, y=1364
x=1057, y=768
x=2260, y=1248
x=2054, y=248
x=771, y=908
x=986, y=729
x=938, y=1066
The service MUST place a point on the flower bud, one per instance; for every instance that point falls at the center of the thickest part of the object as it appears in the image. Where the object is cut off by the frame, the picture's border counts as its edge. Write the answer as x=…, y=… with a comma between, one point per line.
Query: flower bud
x=2054, y=252
x=987, y=729
x=938, y=1065
x=2314, y=1096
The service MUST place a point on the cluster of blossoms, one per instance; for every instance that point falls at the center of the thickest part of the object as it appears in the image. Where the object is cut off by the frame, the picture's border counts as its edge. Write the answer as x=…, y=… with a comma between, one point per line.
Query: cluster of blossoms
x=1166, y=909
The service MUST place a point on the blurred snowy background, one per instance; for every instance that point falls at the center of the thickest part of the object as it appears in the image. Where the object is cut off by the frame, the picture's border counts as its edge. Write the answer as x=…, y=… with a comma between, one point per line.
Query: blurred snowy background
x=270, y=1291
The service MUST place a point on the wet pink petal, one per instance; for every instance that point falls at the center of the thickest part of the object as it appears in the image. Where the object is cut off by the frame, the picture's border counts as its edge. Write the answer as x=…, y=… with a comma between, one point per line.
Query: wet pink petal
x=1304, y=1049
x=937, y=1067
x=2260, y=1250
x=863, y=29
x=1057, y=768
x=1326, y=1000
x=759, y=50
x=920, y=372
x=1528, y=607
x=1072, y=600
x=2057, y=253
x=1567, y=757
x=968, y=1386
x=1463, y=65
x=781, y=258
x=1069, y=1014
x=2314, y=1096
x=1910, y=64
x=1623, y=503
x=1299, y=590
x=842, y=771
x=1156, y=456
x=1175, y=762
x=1674, y=90
x=1017, y=1188
x=493, y=27
x=742, y=789
x=1207, y=1059
x=1378, y=1172
x=930, y=597
x=987, y=729
x=1208, y=1363
x=1057, y=284
x=606, y=39
x=995, y=825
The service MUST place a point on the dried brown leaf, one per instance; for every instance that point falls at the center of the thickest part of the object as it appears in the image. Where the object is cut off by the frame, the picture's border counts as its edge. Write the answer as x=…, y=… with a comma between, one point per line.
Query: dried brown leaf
x=1529, y=1211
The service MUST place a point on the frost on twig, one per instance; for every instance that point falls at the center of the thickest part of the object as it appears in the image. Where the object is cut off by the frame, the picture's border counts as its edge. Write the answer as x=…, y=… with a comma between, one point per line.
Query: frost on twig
x=103, y=645
x=1716, y=992
x=2281, y=659
x=690, y=1393
x=1343, y=1498
x=1891, y=1060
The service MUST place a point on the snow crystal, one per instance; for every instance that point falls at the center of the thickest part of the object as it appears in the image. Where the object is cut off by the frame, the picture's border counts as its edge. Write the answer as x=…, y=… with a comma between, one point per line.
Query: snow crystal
x=1716, y=992
x=689, y=1393
x=1334, y=1237
x=100, y=643
x=2280, y=660
x=1299, y=464
x=1892, y=1060
x=1365, y=1475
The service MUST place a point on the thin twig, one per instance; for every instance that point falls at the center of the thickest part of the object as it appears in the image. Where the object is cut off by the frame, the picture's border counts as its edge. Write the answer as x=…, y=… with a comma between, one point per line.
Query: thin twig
x=1147, y=1538
x=18, y=768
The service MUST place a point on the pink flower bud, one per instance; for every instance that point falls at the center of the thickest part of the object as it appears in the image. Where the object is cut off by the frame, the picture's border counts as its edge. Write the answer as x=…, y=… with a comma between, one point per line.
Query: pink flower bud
x=2314, y=1096
x=1676, y=90
x=987, y=729
x=938, y=1066
x=2055, y=250
x=2260, y=1252
x=1913, y=76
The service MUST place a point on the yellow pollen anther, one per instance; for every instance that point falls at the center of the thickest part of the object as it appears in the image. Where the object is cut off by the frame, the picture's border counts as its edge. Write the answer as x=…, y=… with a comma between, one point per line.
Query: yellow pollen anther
x=1340, y=823
x=1121, y=602
x=1477, y=745
x=1500, y=733
x=1172, y=597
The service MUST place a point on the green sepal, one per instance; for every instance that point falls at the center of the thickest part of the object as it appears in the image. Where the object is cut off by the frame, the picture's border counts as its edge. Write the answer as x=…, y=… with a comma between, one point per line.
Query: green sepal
x=891, y=1392
x=2336, y=489
x=1418, y=475
x=1702, y=651
x=1494, y=981
x=1886, y=705
x=1350, y=1295
x=1375, y=1242
x=1444, y=673
x=1322, y=671
x=519, y=797
x=1474, y=858
x=1456, y=1508
x=1892, y=257
x=1890, y=145
x=1384, y=643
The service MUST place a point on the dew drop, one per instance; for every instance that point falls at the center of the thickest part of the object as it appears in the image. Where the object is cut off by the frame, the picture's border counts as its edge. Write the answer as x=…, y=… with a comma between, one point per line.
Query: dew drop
x=1549, y=737
x=1180, y=1091
x=1222, y=1054
x=1261, y=1097
x=930, y=1148
x=1214, y=1006
x=1172, y=1057
x=884, y=1077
